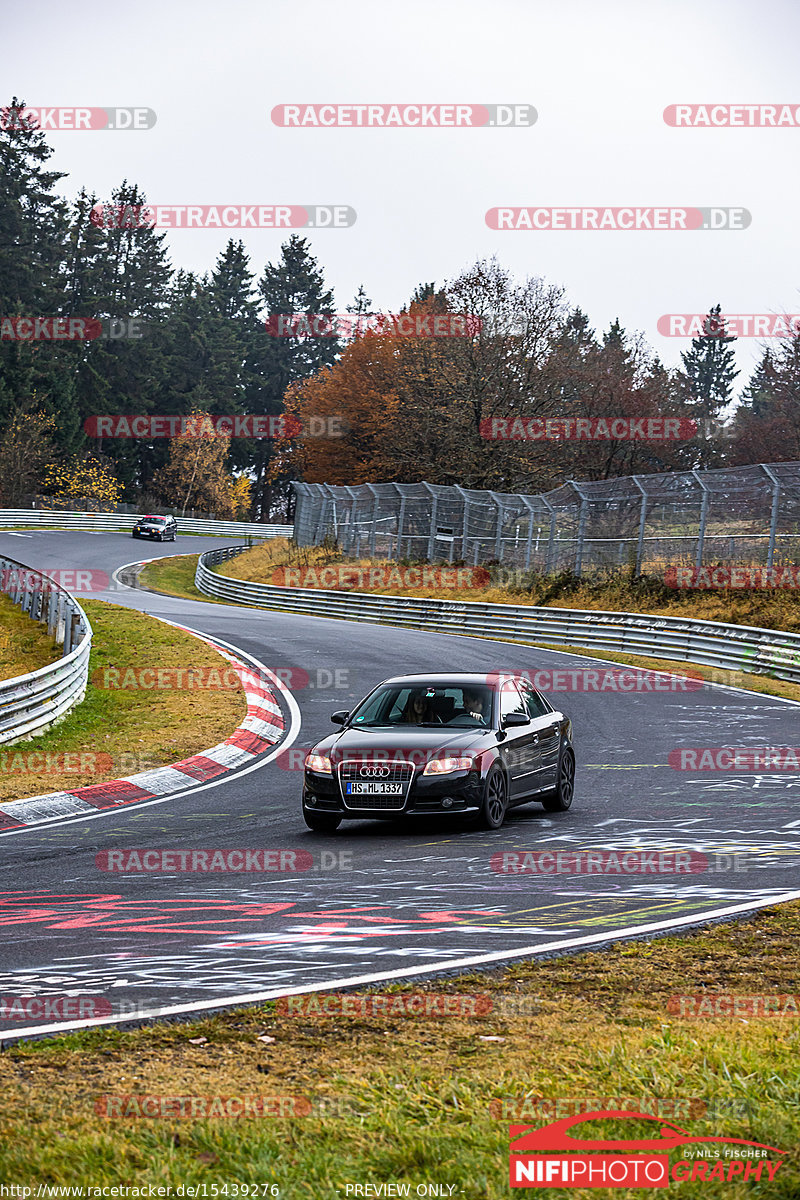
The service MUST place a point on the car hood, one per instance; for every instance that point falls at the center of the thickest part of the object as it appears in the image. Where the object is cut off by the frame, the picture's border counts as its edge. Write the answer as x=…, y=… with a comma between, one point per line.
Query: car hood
x=403, y=740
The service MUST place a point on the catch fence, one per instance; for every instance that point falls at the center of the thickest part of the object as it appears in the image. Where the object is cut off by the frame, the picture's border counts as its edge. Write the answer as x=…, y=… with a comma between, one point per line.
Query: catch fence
x=738, y=515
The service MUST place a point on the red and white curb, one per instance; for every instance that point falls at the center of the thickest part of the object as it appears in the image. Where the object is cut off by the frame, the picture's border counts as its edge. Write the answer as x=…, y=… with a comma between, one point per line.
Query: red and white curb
x=260, y=730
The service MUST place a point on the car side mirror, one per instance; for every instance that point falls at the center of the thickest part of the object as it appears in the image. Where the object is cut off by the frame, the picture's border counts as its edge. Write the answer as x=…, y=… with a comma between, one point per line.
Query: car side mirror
x=340, y=717
x=514, y=719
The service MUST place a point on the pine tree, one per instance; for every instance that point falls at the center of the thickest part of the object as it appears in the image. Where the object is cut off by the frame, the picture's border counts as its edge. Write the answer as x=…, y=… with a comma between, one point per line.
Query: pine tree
x=294, y=284
x=709, y=369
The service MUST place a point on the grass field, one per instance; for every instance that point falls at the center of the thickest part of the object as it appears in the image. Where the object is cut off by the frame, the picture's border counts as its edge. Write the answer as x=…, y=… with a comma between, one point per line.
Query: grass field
x=25, y=645
x=121, y=730
x=406, y=1098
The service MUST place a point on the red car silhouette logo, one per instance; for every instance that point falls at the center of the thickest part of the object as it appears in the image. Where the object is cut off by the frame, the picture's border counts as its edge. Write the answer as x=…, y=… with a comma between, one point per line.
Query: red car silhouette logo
x=557, y=1136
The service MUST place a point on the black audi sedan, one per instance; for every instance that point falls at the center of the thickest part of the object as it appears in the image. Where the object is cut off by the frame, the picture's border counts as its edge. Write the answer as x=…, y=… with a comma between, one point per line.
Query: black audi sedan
x=418, y=745
x=162, y=529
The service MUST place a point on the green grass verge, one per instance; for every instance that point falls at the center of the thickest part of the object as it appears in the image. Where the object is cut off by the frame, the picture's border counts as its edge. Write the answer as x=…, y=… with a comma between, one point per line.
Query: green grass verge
x=173, y=576
x=25, y=645
x=121, y=730
x=427, y=1098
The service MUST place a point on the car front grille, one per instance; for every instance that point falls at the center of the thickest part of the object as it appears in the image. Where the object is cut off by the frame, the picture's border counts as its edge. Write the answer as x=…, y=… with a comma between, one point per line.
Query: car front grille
x=398, y=772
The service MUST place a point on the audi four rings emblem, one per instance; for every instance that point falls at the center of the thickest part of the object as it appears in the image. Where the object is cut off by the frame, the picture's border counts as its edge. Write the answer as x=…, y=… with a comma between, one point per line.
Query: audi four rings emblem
x=375, y=772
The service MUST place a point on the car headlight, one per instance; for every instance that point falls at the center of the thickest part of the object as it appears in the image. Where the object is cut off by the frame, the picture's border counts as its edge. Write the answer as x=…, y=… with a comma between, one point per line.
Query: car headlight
x=444, y=766
x=319, y=762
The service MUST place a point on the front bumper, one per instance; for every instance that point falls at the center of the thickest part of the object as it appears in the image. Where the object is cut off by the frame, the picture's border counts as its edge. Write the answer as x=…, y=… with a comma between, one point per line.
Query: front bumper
x=458, y=792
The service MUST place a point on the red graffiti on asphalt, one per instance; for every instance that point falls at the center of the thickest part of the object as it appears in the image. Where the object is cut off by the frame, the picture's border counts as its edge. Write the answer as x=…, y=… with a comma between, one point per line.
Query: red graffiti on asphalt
x=113, y=912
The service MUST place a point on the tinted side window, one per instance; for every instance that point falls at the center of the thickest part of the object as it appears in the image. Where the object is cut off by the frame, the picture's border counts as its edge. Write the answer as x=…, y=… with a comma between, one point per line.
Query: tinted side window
x=510, y=699
x=536, y=705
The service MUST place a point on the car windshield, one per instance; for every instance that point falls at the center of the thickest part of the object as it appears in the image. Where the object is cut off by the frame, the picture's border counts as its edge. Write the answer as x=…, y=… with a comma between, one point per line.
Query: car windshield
x=427, y=705
x=155, y=520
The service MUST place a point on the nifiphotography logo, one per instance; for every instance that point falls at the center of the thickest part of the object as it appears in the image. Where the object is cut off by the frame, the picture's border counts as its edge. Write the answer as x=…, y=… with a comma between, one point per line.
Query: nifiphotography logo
x=641, y=1162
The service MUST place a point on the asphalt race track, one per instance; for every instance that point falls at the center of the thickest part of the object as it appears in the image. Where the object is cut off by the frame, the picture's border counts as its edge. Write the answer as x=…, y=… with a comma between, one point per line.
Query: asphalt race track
x=381, y=900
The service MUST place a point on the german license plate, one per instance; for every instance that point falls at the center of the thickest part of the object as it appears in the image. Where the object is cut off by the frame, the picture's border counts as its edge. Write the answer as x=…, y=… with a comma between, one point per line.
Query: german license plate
x=376, y=788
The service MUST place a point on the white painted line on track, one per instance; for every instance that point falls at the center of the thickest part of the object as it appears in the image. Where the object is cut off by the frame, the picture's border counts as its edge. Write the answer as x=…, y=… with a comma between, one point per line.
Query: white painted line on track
x=497, y=956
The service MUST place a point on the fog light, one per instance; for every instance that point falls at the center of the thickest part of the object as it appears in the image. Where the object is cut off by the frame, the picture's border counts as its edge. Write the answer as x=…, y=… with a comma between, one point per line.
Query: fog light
x=311, y=801
x=447, y=802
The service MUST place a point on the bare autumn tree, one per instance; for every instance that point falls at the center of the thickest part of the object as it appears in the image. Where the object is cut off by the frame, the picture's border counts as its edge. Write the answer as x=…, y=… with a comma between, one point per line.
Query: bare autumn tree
x=766, y=424
x=413, y=407
x=196, y=474
x=26, y=451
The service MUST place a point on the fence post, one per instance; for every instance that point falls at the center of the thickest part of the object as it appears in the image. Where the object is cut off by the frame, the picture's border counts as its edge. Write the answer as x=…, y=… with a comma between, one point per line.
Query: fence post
x=529, y=543
x=401, y=516
x=498, y=537
x=374, y=530
x=434, y=513
x=465, y=522
x=642, y=520
x=701, y=532
x=578, y=568
x=773, y=522
x=551, y=540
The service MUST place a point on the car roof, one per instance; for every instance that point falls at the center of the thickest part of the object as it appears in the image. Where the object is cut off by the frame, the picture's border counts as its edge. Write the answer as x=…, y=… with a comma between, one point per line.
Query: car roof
x=474, y=678
x=154, y=517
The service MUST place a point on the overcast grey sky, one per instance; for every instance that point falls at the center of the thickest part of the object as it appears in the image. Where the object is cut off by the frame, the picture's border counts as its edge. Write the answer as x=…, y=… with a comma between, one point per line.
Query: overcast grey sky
x=599, y=75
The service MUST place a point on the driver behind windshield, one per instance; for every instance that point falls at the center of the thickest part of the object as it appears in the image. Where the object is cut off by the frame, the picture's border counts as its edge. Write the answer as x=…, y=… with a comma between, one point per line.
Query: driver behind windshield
x=475, y=705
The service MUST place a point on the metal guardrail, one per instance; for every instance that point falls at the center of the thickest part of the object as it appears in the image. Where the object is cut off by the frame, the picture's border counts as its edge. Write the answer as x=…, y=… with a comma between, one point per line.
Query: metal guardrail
x=15, y=518
x=29, y=704
x=708, y=643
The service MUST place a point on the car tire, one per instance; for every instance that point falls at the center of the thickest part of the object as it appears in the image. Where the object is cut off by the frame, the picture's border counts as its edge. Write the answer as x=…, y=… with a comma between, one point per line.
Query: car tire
x=495, y=800
x=321, y=822
x=561, y=799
